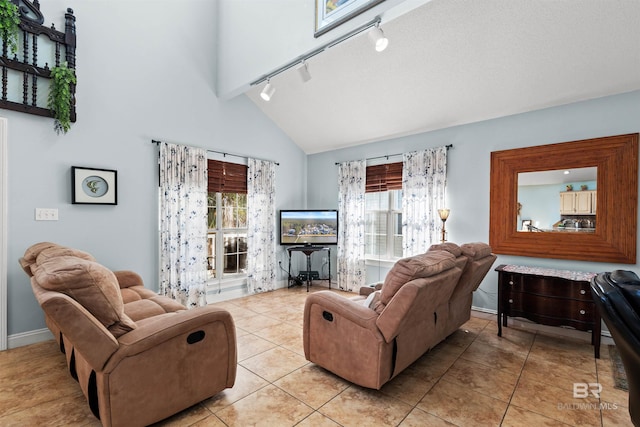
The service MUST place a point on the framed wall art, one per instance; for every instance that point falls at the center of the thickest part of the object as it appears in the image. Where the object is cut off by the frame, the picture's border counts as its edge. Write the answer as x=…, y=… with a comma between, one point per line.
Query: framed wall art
x=91, y=186
x=331, y=13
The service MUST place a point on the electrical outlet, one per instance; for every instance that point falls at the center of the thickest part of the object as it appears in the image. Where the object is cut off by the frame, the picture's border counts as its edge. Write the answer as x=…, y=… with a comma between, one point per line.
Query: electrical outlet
x=46, y=214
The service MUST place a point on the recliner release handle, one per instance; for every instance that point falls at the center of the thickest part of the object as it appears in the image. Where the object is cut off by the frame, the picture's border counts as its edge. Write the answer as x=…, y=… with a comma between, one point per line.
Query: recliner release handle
x=327, y=316
x=195, y=337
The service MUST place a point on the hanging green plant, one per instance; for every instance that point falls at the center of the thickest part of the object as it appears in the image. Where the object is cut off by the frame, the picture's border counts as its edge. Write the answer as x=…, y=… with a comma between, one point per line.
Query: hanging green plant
x=9, y=25
x=59, y=101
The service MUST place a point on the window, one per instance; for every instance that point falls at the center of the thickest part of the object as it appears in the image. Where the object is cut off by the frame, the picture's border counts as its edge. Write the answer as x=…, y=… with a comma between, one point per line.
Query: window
x=383, y=211
x=383, y=229
x=227, y=234
x=227, y=220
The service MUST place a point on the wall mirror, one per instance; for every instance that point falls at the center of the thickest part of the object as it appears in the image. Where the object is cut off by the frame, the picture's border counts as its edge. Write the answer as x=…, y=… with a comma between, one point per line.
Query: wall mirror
x=561, y=200
x=614, y=236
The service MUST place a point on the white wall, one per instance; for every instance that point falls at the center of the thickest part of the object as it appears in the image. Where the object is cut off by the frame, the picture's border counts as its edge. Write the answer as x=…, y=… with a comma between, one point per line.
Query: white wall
x=146, y=70
x=469, y=168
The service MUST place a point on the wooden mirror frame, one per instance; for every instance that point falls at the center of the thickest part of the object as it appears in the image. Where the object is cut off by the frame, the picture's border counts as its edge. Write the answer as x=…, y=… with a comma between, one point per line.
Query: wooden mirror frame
x=614, y=239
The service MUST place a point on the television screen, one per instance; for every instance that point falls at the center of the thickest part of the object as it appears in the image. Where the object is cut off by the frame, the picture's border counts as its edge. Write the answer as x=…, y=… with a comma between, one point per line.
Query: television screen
x=313, y=227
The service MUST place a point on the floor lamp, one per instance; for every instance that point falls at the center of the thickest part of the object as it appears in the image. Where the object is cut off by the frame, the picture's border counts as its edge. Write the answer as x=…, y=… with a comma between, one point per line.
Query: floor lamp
x=444, y=214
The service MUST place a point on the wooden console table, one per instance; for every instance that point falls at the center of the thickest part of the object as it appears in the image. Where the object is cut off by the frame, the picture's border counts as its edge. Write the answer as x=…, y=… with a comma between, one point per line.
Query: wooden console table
x=549, y=297
x=308, y=251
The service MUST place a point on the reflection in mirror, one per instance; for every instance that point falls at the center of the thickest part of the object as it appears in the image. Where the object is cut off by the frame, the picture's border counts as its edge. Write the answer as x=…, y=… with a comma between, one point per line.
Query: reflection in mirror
x=562, y=200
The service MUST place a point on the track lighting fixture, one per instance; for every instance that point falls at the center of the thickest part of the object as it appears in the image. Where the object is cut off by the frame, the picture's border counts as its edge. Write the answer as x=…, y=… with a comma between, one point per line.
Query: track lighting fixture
x=268, y=91
x=303, y=70
x=377, y=36
x=375, y=33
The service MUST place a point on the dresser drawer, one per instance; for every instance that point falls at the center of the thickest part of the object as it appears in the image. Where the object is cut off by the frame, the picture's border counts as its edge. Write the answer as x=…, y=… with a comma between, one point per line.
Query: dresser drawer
x=551, y=311
x=548, y=286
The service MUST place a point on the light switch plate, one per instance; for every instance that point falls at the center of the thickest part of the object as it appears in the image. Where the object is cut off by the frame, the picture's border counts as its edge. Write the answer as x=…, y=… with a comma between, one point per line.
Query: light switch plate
x=46, y=214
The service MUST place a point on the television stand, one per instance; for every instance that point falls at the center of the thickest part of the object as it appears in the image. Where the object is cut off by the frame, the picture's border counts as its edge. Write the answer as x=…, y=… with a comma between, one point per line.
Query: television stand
x=308, y=250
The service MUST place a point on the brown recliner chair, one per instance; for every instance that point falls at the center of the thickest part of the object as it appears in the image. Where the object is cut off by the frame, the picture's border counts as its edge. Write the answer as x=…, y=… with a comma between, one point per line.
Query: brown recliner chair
x=138, y=357
x=370, y=344
x=423, y=300
x=475, y=260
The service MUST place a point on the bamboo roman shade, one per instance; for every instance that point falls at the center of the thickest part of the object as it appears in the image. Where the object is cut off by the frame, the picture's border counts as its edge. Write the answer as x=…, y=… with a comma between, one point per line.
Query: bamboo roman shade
x=384, y=177
x=225, y=177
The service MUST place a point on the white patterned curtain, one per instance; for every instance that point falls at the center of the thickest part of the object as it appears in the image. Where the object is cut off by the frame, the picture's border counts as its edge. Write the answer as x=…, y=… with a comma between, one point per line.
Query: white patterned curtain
x=424, y=180
x=352, y=178
x=183, y=224
x=261, y=226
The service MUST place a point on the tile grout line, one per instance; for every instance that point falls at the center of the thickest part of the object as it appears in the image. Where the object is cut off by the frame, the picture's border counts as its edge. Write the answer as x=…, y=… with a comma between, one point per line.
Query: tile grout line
x=442, y=375
x=515, y=387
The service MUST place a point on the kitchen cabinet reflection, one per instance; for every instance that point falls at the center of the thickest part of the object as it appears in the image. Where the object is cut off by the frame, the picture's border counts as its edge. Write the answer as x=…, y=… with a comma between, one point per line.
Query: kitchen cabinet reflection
x=561, y=201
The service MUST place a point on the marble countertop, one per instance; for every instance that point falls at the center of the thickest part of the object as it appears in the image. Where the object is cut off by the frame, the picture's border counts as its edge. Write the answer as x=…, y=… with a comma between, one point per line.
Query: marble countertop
x=540, y=271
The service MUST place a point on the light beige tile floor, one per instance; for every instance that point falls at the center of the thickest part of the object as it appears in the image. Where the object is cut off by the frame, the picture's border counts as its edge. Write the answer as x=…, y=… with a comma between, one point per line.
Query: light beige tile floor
x=473, y=378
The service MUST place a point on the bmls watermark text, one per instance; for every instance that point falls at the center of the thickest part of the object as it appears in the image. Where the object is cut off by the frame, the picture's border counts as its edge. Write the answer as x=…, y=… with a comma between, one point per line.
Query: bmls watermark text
x=583, y=390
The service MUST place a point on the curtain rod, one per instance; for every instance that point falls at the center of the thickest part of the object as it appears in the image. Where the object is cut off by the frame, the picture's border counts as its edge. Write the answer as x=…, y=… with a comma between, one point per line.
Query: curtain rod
x=393, y=155
x=224, y=154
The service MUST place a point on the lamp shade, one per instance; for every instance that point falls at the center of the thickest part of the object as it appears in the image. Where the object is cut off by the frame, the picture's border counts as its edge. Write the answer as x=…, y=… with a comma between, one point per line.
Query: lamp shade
x=444, y=214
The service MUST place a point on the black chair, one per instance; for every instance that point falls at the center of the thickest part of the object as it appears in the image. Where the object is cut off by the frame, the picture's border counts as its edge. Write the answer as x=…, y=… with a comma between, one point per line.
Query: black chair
x=617, y=297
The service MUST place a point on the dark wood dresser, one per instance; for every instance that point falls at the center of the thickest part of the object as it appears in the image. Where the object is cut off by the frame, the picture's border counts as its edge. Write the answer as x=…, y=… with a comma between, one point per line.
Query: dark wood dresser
x=549, y=297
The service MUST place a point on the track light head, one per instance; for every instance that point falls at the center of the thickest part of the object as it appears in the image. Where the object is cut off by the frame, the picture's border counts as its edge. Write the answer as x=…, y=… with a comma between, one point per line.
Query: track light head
x=268, y=91
x=377, y=36
x=303, y=70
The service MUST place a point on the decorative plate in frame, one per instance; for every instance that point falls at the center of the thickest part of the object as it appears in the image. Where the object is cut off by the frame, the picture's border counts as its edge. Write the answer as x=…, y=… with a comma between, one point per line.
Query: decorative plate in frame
x=91, y=186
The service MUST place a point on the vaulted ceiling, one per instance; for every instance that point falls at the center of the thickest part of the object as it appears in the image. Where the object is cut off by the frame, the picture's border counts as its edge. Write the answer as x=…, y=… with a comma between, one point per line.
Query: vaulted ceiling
x=451, y=62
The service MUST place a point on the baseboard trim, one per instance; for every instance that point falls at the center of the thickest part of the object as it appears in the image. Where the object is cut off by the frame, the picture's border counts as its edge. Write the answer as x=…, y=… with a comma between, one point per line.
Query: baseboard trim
x=485, y=310
x=532, y=325
x=233, y=292
x=30, y=337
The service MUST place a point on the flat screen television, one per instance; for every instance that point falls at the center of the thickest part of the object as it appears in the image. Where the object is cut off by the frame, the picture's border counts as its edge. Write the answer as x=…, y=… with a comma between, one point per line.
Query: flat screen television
x=309, y=227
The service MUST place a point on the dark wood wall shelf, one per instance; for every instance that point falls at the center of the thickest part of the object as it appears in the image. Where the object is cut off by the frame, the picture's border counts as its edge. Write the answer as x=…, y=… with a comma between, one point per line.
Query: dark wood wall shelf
x=29, y=70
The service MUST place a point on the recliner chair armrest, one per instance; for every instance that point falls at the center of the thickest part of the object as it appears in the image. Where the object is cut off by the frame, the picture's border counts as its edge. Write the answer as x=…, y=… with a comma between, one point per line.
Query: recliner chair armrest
x=168, y=363
x=367, y=290
x=132, y=286
x=163, y=328
x=341, y=335
x=127, y=278
x=339, y=305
